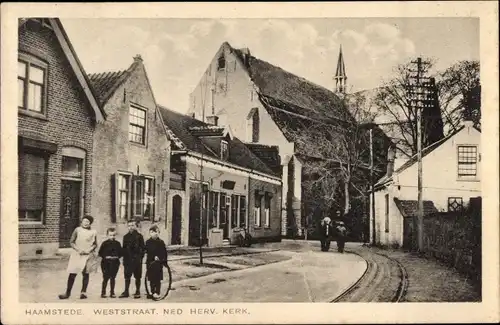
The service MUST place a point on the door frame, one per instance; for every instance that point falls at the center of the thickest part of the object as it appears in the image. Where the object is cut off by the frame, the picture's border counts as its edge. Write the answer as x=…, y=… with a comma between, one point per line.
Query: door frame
x=180, y=219
x=75, y=152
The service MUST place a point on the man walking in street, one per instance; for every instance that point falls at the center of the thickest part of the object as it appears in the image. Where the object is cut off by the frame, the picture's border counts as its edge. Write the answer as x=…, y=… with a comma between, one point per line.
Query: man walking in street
x=133, y=254
x=325, y=233
x=341, y=236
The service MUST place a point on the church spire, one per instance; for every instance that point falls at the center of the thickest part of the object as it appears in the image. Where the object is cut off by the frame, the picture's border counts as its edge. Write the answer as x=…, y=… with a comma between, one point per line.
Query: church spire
x=340, y=75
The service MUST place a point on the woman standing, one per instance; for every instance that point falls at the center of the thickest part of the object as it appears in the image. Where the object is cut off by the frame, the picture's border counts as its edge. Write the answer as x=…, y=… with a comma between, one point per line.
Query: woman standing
x=84, y=242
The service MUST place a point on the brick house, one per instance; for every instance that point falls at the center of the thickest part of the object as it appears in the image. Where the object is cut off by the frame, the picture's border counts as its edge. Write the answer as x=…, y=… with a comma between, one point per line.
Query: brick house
x=219, y=177
x=131, y=153
x=264, y=104
x=57, y=114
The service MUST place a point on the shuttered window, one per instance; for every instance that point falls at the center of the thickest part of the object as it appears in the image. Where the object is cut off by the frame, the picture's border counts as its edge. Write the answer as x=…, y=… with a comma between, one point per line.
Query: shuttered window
x=32, y=185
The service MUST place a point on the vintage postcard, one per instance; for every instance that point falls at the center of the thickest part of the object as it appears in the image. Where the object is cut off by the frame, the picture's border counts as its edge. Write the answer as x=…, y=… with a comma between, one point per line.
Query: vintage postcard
x=249, y=163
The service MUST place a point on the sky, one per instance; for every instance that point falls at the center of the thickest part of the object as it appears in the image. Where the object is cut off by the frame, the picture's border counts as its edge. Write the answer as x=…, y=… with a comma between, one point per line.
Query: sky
x=176, y=52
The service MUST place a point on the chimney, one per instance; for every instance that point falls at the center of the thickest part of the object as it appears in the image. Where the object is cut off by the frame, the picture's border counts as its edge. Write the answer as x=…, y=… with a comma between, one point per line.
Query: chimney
x=468, y=123
x=391, y=153
x=138, y=58
x=213, y=119
x=246, y=55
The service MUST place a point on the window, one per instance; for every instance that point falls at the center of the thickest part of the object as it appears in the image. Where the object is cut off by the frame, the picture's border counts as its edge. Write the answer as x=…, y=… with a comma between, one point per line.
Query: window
x=243, y=211
x=123, y=196
x=387, y=213
x=214, y=206
x=31, y=82
x=72, y=167
x=222, y=210
x=467, y=161
x=149, y=198
x=224, y=150
x=267, y=210
x=221, y=63
x=256, y=210
x=235, y=201
x=455, y=204
x=255, y=127
x=32, y=184
x=139, y=195
x=137, y=125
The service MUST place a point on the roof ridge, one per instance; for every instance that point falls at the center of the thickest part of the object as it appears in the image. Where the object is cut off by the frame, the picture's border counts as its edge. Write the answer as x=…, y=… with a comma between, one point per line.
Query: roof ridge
x=294, y=74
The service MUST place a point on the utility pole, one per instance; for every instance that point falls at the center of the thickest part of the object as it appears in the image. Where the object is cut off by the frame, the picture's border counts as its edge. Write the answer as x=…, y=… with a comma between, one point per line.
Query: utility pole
x=419, y=96
x=372, y=191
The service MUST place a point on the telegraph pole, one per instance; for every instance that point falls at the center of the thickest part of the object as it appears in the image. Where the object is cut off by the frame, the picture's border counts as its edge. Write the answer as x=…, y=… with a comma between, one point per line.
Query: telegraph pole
x=372, y=190
x=419, y=98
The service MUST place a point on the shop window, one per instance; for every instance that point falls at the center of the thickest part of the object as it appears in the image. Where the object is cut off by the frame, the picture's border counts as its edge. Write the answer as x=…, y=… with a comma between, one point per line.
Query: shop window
x=267, y=210
x=257, y=210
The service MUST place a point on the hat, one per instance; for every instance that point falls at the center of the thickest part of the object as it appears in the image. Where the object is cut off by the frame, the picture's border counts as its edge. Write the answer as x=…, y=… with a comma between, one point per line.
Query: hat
x=89, y=218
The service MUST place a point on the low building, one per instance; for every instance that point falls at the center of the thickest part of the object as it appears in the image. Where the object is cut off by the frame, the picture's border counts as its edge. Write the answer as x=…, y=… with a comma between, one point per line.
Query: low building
x=57, y=114
x=219, y=186
x=131, y=154
x=451, y=173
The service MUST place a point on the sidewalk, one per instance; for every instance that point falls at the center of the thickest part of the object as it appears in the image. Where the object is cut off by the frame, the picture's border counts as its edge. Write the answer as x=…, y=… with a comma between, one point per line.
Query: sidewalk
x=432, y=281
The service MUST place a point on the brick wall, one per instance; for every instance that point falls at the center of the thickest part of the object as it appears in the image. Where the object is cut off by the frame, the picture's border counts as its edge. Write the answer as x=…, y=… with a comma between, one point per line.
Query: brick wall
x=68, y=123
x=113, y=152
x=274, y=231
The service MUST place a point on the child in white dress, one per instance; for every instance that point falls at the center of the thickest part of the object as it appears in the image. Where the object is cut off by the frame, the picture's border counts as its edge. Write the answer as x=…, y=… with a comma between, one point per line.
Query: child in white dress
x=84, y=242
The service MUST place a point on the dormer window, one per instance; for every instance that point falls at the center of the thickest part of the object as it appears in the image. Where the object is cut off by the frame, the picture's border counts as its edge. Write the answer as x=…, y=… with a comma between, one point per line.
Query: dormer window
x=221, y=63
x=224, y=150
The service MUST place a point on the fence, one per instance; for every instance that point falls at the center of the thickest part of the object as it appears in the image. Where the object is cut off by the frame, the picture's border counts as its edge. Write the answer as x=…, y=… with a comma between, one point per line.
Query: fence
x=454, y=238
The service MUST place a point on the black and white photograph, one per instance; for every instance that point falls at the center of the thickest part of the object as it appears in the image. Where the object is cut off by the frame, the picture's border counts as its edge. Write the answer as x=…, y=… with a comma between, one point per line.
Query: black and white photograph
x=165, y=160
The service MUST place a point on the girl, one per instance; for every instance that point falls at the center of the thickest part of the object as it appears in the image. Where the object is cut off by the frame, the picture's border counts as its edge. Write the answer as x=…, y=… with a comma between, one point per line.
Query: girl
x=156, y=256
x=84, y=242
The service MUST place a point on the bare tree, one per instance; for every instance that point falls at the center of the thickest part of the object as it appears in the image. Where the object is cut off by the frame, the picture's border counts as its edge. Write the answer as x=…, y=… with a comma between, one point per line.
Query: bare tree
x=460, y=94
x=393, y=102
x=336, y=155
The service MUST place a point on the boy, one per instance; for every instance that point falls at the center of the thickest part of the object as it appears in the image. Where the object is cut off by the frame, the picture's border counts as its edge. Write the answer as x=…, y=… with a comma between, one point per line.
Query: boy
x=110, y=252
x=133, y=253
x=156, y=257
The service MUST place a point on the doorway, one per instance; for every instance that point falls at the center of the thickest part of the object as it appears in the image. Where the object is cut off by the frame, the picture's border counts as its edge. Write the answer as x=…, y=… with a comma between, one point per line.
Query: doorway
x=176, y=219
x=70, y=210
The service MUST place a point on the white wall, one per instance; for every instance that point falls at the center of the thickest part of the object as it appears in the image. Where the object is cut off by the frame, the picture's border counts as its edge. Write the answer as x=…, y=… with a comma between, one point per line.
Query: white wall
x=439, y=180
x=440, y=173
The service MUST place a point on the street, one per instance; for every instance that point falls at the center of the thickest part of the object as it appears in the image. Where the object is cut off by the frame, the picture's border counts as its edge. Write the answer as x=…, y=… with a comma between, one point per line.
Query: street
x=308, y=275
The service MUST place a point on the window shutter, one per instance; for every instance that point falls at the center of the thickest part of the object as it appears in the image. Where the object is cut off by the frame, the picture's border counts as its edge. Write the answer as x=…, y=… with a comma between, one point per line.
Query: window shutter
x=153, y=190
x=131, y=205
x=114, y=198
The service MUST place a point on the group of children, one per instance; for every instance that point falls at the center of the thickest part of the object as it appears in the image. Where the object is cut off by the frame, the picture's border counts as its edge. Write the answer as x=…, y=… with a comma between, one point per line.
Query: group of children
x=84, y=243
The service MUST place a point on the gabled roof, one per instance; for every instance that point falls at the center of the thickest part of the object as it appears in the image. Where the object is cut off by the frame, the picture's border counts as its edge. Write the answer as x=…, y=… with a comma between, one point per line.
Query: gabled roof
x=268, y=154
x=181, y=128
x=427, y=150
x=306, y=97
x=105, y=83
x=75, y=64
x=409, y=208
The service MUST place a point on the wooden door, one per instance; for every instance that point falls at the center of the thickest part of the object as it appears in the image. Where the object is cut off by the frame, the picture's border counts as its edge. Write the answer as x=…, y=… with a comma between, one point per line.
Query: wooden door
x=70, y=210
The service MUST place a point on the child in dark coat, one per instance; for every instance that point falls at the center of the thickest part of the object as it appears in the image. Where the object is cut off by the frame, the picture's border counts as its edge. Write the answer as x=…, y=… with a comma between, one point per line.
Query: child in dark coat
x=133, y=254
x=110, y=252
x=156, y=257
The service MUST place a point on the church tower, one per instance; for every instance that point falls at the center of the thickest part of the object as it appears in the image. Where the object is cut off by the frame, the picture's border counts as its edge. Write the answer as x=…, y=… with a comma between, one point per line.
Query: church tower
x=340, y=75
